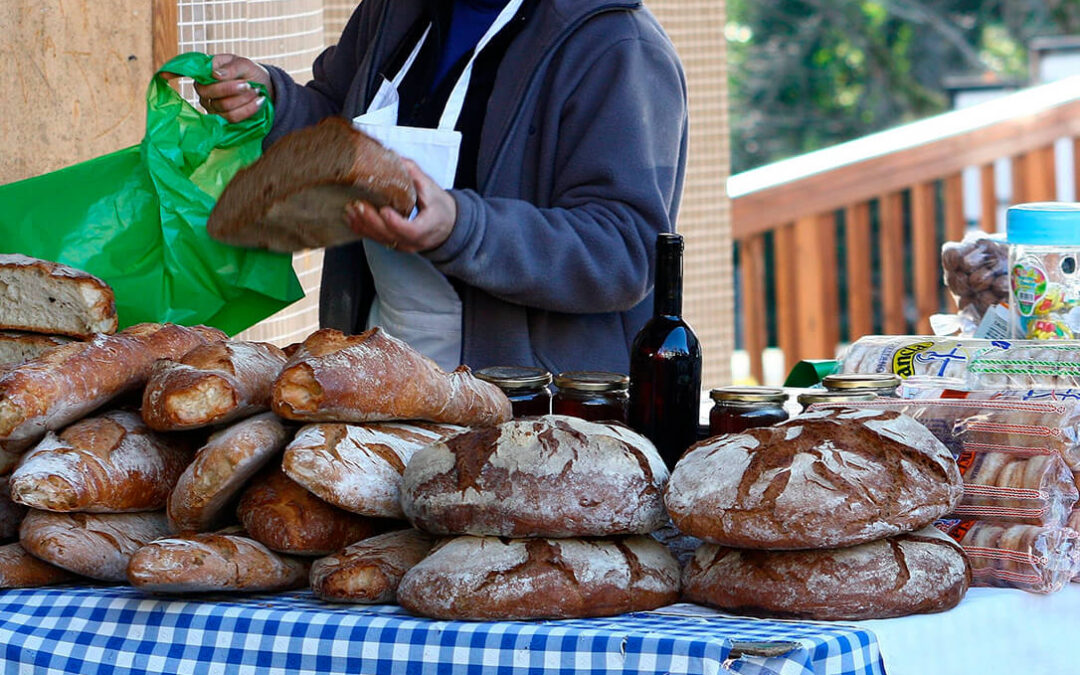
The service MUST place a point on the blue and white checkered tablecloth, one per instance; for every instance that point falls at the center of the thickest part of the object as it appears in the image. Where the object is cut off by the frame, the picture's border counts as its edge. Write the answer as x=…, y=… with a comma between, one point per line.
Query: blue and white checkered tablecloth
x=119, y=630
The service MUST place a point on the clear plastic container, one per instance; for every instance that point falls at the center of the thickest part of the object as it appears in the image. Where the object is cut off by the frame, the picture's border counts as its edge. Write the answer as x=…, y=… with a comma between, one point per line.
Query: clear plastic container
x=1044, y=270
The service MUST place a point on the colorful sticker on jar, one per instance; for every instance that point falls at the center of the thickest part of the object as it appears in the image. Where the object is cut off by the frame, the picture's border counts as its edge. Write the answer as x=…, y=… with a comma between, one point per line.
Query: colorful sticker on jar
x=1028, y=284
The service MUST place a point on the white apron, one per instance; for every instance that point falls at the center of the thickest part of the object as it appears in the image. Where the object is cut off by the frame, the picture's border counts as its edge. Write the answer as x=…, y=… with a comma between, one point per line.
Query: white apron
x=414, y=301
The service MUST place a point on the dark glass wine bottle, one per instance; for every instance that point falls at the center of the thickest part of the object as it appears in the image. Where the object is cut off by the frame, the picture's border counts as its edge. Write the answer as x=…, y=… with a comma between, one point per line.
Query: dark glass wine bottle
x=665, y=362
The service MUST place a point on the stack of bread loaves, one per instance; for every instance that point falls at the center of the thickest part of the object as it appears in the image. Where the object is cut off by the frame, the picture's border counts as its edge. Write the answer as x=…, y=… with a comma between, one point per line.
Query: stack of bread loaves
x=545, y=517
x=822, y=517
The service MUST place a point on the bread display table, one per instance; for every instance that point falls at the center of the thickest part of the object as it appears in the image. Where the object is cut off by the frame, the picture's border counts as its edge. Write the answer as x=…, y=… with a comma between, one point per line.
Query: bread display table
x=119, y=630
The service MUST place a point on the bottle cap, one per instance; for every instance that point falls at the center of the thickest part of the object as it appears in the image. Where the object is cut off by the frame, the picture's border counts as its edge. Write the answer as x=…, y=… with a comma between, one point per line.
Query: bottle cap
x=515, y=377
x=876, y=382
x=1043, y=223
x=592, y=380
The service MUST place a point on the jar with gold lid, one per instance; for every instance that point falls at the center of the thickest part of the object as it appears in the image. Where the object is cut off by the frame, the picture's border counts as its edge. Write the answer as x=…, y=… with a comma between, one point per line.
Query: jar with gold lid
x=592, y=395
x=882, y=384
x=737, y=409
x=834, y=397
x=527, y=388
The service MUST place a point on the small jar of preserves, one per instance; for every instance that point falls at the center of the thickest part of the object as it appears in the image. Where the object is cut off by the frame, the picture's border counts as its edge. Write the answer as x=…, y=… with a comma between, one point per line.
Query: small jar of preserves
x=882, y=384
x=825, y=396
x=592, y=395
x=737, y=409
x=527, y=388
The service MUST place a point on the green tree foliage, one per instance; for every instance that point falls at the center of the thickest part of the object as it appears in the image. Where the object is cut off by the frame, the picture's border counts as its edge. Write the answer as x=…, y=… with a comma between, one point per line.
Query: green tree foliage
x=806, y=74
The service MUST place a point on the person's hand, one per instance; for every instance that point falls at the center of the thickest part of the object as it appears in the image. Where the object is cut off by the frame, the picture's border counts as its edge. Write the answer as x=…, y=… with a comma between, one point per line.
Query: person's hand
x=437, y=212
x=232, y=96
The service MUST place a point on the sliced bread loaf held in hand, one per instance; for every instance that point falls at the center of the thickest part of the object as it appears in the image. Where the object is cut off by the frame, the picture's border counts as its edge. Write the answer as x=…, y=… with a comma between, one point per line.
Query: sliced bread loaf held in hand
x=358, y=467
x=47, y=297
x=67, y=382
x=370, y=570
x=211, y=384
x=294, y=196
x=487, y=578
x=826, y=479
x=222, y=561
x=203, y=495
x=550, y=476
x=373, y=377
x=111, y=463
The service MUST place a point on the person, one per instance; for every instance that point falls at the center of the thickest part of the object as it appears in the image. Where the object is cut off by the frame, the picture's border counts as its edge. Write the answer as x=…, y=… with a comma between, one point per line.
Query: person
x=537, y=248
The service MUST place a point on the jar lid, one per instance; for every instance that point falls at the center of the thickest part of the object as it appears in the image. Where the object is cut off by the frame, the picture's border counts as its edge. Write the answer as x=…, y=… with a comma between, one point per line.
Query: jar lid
x=592, y=380
x=1043, y=223
x=861, y=381
x=514, y=377
x=811, y=398
x=749, y=394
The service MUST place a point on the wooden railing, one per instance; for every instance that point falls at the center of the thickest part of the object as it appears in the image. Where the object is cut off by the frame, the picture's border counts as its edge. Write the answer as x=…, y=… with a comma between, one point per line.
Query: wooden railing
x=851, y=235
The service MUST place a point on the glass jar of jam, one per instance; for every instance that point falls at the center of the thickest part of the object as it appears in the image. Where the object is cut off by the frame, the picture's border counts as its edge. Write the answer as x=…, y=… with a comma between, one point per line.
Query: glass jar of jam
x=882, y=384
x=592, y=395
x=527, y=388
x=825, y=396
x=737, y=409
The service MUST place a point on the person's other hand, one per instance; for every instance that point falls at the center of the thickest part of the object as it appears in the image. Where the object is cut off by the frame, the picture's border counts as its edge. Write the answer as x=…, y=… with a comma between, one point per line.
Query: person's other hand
x=437, y=212
x=232, y=96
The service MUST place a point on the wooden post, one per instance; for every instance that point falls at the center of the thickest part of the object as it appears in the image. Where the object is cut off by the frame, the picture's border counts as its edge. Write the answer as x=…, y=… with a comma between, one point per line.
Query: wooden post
x=926, y=268
x=955, y=226
x=892, y=263
x=755, y=332
x=166, y=39
x=815, y=245
x=786, y=264
x=860, y=288
x=988, y=198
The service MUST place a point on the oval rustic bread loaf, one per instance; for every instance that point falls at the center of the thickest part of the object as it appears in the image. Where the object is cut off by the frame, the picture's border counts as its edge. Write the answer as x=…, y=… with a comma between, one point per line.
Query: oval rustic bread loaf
x=19, y=569
x=825, y=479
x=211, y=384
x=919, y=572
x=202, y=494
x=294, y=196
x=550, y=476
x=224, y=561
x=95, y=545
x=107, y=464
x=484, y=578
x=374, y=377
x=358, y=467
x=47, y=297
x=369, y=571
x=285, y=517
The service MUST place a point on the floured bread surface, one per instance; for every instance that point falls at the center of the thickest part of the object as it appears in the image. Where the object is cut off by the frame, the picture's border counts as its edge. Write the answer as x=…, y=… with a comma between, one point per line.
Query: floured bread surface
x=550, y=476
x=47, y=297
x=485, y=578
x=825, y=479
x=919, y=572
x=92, y=545
x=107, y=464
x=358, y=467
x=370, y=570
x=214, y=562
x=17, y=347
x=211, y=384
x=199, y=500
x=19, y=569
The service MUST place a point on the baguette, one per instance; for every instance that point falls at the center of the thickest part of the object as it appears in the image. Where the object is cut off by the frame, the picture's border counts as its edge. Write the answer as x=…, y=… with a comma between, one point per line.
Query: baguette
x=226, y=561
x=19, y=569
x=67, y=382
x=369, y=571
x=17, y=347
x=199, y=500
x=374, y=377
x=107, y=464
x=92, y=545
x=286, y=518
x=47, y=297
x=212, y=384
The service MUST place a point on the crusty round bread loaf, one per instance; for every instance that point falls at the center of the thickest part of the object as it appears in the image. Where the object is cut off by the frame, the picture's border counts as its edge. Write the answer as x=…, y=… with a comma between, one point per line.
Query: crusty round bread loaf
x=370, y=570
x=211, y=384
x=919, y=572
x=358, y=467
x=285, y=517
x=19, y=569
x=95, y=545
x=224, y=561
x=111, y=463
x=294, y=196
x=826, y=479
x=549, y=476
x=200, y=500
x=487, y=578
x=47, y=297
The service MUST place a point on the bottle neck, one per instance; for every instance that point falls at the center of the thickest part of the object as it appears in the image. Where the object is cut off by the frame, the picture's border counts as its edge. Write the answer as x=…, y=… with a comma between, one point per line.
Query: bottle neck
x=669, y=277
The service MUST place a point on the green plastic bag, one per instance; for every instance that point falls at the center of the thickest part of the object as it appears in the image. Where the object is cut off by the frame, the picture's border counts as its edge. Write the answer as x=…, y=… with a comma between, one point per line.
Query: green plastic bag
x=137, y=217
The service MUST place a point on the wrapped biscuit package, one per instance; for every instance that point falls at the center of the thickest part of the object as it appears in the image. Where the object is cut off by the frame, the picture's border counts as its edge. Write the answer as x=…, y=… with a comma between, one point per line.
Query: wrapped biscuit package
x=1013, y=555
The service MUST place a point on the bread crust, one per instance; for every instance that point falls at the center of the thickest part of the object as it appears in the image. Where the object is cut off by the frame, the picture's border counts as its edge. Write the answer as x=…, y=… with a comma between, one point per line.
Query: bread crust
x=370, y=570
x=19, y=569
x=11, y=514
x=47, y=297
x=18, y=347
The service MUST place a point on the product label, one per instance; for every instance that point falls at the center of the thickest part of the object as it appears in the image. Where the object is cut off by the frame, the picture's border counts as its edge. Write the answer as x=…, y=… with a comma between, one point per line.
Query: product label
x=955, y=527
x=904, y=360
x=1028, y=284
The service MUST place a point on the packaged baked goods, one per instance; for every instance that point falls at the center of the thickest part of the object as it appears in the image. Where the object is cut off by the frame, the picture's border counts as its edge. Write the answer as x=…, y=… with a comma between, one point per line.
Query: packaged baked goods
x=976, y=272
x=1044, y=254
x=1013, y=555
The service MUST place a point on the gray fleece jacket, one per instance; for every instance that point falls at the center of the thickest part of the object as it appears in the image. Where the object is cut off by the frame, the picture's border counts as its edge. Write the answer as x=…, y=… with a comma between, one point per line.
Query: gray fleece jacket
x=581, y=164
